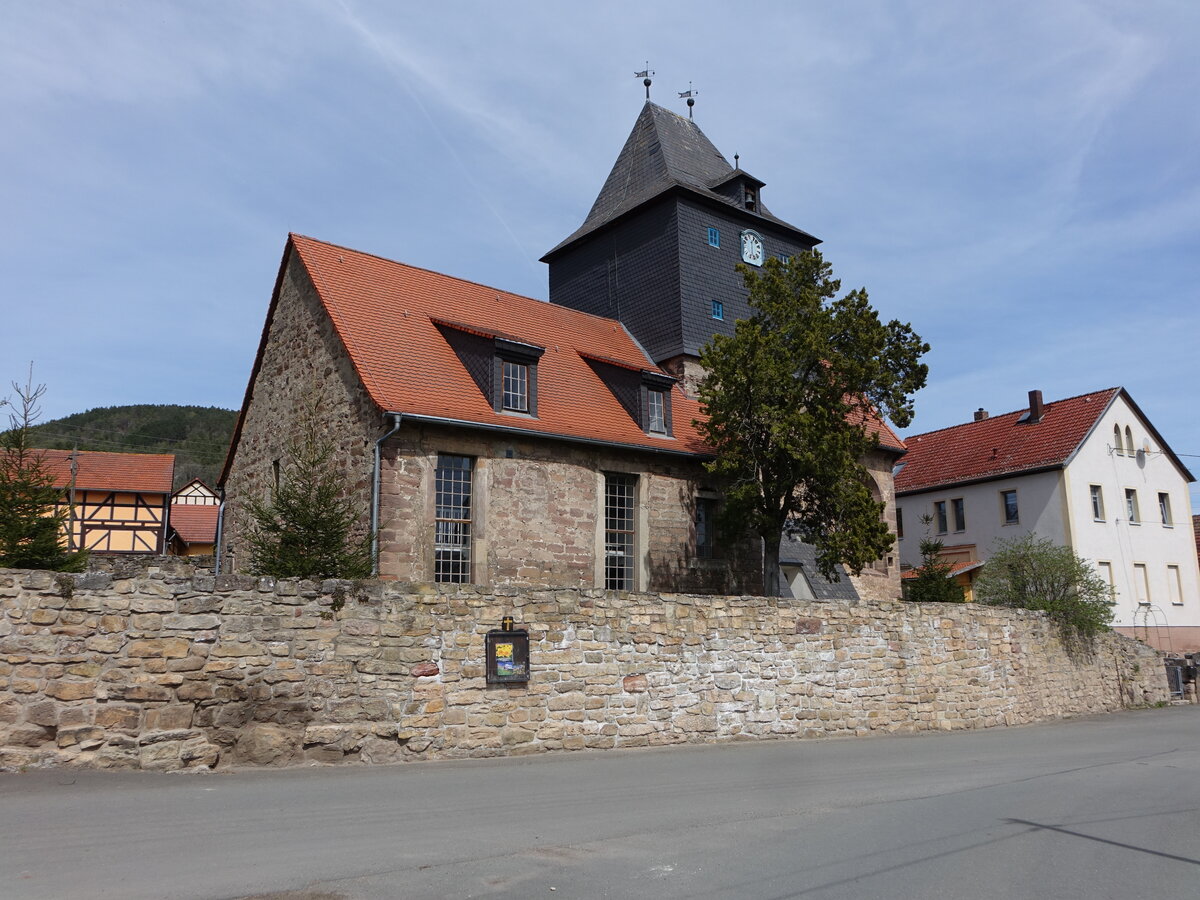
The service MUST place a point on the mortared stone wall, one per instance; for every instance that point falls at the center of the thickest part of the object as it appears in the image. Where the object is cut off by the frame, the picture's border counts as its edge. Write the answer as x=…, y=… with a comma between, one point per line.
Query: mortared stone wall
x=177, y=671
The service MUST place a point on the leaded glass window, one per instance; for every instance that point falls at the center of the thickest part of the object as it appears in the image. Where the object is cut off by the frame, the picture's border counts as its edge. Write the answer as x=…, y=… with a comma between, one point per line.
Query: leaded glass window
x=619, y=531
x=452, y=525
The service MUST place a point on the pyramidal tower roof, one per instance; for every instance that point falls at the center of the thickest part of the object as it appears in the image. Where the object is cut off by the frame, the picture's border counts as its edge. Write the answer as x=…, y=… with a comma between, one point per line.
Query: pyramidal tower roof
x=664, y=151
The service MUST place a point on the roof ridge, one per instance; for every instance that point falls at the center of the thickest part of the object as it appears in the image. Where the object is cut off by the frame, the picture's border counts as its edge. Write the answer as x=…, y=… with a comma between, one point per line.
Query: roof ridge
x=997, y=416
x=102, y=452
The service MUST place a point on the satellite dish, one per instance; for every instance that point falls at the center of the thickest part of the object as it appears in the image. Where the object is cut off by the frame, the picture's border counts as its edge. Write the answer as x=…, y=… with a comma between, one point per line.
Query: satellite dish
x=1145, y=445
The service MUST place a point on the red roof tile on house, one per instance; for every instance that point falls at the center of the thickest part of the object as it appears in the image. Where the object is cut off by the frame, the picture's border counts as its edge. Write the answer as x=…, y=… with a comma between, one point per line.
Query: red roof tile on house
x=385, y=312
x=145, y=472
x=194, y=523
x=957, y=568
x=1000, y=445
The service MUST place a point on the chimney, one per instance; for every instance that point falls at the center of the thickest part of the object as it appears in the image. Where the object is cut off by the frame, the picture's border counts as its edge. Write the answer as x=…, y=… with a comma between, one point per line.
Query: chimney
x=1035, y=407
x=980, y=414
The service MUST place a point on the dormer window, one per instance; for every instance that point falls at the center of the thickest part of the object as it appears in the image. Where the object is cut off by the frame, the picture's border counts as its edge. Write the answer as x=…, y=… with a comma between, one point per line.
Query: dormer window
x=504, y=368
x=515, y=374
x=656, y=403
x=751, y=199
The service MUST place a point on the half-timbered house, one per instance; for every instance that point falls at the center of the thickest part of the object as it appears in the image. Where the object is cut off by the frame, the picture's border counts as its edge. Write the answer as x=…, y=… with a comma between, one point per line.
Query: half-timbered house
x=116, y=502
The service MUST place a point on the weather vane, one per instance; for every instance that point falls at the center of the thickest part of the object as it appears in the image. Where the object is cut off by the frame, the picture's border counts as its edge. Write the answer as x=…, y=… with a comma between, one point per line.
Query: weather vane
x=645, y=76
x=690, y=96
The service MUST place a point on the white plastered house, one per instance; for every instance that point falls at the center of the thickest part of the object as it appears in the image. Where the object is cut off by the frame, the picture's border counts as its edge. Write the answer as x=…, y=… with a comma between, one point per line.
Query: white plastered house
x=1091, y=472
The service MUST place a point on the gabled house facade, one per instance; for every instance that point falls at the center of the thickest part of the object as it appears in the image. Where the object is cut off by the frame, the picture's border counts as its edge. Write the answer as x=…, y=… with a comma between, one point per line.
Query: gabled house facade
x=499, y=439
x=117, y=503
x=1089, y=472
x=193, y=524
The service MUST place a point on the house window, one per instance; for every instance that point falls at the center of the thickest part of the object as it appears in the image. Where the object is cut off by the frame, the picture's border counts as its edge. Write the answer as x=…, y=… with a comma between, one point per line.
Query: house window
x=1106, y=574
x=960, y=514
x=1141, y=584
x=706, y=511
x=1097, y=503
x=785, y=260
x=516, y=386
x=452, y=525
x=1117, y=440
x=1131, y=506
x=1008, y=502
x=1129, y=451
x=899, y=523
x=1175, y=585
x=939, y=512
x=1164, y=508
x=714, y=237
x=619, y=507
x=718, y=310
x=656, y=412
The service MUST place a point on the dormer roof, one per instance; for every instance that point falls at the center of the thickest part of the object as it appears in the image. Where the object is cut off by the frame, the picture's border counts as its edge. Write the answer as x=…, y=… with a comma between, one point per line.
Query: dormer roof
x=665, y=152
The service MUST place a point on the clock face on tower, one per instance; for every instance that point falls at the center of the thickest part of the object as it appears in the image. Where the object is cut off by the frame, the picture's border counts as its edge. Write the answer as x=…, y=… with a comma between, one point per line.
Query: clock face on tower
x=752, y=248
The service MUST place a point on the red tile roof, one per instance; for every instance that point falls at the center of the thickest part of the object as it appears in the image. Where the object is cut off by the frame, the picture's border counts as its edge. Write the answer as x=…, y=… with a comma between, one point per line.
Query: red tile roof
x=145, y=472
x=390, y=318
x=1000, y=445
x=957, y=568
x=194, y=523
x=384, y=312
x=879, y=425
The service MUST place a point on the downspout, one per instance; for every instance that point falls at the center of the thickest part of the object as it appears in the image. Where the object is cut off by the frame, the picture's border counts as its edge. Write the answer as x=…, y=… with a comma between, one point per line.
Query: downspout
x=220, y=532
x=396, y=418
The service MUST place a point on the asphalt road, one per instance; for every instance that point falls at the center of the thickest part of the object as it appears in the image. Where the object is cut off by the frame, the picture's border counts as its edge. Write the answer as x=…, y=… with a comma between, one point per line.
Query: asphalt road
x=1106, y=807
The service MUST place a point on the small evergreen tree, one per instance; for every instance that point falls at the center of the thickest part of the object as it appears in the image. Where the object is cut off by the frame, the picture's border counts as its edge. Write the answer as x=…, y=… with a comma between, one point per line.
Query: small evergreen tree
x=1035, y=573
x=308, y=528
x=32, y=518
x=933, y=583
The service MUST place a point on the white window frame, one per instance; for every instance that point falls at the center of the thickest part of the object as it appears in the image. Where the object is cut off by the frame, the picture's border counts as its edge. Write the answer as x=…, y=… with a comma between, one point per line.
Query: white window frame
x=1132, y=508
x=1016, y=519
x=1164, y=509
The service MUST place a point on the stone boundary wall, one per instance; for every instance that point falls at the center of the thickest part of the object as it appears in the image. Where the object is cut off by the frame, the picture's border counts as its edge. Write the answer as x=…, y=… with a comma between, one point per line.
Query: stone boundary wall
x=175, y=672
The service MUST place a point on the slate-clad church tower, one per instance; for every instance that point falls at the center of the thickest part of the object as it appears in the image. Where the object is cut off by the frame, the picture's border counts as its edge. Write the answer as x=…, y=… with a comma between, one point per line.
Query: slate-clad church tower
x=658, y=248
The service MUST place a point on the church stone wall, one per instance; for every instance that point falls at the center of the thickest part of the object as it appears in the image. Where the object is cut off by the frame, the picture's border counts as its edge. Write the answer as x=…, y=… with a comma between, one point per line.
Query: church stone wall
x=168, y=672
x=538, y=515
x=881, y=580
x=303, y=367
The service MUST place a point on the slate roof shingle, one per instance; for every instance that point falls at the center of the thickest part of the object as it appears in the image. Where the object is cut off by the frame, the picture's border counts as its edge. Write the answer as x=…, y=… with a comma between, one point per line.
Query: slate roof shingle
x=663, y=151
x=99, y=471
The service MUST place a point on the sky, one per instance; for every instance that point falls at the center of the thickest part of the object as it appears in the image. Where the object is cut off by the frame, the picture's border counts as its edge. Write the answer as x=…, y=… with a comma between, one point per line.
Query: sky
x=1020, y=181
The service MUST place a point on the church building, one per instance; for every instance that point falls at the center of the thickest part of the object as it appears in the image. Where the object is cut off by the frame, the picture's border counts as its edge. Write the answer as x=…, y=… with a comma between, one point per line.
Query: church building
x=497, y=439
